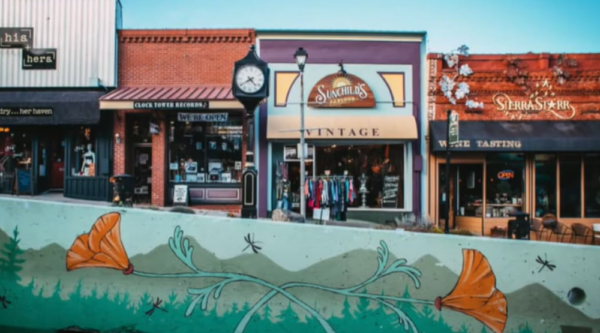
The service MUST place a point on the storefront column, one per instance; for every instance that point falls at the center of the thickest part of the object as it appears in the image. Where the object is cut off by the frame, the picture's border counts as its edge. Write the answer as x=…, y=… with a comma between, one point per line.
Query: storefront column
x=119, y=148
x=159, y=143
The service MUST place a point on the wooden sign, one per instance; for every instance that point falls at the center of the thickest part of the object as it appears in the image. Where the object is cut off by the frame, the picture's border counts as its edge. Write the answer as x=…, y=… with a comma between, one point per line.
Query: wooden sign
x=341, y=90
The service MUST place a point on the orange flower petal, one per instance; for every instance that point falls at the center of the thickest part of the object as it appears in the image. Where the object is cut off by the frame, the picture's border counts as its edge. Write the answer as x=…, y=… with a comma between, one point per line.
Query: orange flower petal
x=475, y=293
x=101, y=247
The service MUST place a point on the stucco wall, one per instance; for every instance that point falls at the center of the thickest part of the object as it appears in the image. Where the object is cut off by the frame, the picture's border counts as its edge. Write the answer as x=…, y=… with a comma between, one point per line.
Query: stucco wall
x=363, y=57
x=321, y=279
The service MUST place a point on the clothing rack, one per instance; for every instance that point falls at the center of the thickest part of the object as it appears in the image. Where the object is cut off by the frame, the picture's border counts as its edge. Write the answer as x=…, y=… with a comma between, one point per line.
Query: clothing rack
x=332, y=195
x=329, y=177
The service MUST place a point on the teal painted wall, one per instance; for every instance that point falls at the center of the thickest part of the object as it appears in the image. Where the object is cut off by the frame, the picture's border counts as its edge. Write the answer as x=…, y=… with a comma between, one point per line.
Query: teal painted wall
x=107, y=268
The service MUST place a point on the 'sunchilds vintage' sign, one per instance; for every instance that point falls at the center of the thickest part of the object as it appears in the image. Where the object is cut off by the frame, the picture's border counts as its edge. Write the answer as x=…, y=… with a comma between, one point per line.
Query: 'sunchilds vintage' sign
x=341, y=90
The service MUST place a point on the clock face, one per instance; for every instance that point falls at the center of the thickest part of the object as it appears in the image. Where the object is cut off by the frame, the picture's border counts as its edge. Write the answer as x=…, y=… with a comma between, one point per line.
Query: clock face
x=250, y=79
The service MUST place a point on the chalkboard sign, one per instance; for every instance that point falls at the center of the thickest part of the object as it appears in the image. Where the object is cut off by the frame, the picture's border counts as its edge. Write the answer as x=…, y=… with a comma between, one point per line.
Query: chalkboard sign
x=24, y=182
x=180, y=195
x=390, y=191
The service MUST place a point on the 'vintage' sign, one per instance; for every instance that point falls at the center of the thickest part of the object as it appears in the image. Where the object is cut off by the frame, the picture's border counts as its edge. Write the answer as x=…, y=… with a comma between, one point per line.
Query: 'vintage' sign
x=341, y=90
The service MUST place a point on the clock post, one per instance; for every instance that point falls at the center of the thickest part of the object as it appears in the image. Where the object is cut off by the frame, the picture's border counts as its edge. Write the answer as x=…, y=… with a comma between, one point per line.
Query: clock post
x=250, y=87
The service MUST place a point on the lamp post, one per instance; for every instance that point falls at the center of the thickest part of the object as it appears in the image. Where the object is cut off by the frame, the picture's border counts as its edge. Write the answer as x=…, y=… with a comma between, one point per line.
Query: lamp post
x=301, y=56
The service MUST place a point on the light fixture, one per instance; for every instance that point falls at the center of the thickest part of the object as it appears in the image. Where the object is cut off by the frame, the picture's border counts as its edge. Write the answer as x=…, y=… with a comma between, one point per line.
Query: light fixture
x=118, y=138
x=301, y=56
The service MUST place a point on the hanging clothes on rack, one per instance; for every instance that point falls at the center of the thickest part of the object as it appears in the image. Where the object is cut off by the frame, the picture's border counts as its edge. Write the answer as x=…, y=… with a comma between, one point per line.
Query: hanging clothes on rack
x=330, y=193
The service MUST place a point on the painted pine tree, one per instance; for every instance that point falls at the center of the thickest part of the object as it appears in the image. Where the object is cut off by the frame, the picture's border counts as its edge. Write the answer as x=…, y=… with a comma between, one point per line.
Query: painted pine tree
x=10, y=261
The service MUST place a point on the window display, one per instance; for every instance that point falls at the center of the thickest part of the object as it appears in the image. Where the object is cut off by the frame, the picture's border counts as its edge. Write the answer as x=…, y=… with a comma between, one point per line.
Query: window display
x=15, y=151
x=383, y=166
x=84, y=160
x=202, y=151
x=592, y=185
x=570, y=185
x=505, y=184
x=545, y=184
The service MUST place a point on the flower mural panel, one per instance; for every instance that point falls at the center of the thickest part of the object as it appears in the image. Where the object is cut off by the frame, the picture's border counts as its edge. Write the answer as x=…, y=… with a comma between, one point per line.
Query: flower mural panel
x=149, y=272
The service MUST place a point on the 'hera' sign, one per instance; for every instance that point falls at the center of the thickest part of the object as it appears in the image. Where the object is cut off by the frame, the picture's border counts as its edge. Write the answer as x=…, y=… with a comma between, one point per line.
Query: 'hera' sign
x=26, y=112
x=39, y=59
x=341, y=90
x=16, y=38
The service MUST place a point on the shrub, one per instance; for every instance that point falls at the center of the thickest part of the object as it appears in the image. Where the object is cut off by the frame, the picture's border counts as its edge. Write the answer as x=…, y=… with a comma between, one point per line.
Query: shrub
x=182, y=210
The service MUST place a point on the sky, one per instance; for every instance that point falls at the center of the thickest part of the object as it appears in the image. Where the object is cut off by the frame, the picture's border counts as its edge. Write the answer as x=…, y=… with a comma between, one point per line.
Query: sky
x=486, y=26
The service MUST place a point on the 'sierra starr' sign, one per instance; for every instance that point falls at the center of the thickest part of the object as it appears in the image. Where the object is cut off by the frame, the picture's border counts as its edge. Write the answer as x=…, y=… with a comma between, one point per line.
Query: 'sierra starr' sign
x=539, y=101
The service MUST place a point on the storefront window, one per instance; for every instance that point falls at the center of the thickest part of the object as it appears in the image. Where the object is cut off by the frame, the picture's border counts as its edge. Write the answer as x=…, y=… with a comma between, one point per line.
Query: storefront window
x=205, y=152
x=505, y=184
x=545, y=184
x=570, y=185
x=592, y=185
x=383, y=166
x=15, y=151
x=84, y=161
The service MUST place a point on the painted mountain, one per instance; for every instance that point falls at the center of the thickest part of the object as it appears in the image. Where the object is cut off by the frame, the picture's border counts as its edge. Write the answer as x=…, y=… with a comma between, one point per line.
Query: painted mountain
x=534, y=306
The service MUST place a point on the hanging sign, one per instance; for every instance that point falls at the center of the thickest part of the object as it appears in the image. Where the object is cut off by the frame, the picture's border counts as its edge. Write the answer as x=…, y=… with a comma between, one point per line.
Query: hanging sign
x=203, y=117
x=453, y=128
x=341, y=90
x=16, y=38
x=154, y=129
x=36, y=59
x=506, y=174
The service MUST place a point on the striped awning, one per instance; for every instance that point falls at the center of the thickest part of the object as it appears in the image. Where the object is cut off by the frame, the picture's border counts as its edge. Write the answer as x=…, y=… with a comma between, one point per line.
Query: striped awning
x=169, y=97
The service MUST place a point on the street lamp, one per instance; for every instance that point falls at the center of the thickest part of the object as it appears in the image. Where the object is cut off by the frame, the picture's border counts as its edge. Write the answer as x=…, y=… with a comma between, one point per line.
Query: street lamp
x=301, y=56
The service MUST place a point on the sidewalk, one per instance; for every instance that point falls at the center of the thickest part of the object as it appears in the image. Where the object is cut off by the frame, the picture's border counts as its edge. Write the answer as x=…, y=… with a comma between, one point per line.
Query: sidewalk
x=58, y=197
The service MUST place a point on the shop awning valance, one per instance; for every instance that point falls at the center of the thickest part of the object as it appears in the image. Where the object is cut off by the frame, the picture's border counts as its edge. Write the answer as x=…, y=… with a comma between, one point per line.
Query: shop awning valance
x=168, y=97
x=515, y=136
x=49, y=107
x=343, y=127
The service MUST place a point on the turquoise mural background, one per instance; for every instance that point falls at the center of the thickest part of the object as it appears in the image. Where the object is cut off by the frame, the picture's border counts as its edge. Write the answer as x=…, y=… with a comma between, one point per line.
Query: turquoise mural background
x=37, y=292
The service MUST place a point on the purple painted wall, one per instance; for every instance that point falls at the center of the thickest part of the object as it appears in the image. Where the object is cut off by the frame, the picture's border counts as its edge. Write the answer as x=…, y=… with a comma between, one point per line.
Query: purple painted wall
x=331, y=52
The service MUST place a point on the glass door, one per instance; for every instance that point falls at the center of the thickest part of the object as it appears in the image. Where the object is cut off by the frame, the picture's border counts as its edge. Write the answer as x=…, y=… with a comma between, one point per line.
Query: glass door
x=142, y=172
x=466, y=196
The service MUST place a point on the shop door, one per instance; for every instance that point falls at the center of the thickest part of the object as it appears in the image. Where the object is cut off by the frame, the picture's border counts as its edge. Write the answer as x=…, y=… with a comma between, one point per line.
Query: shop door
x=294, y=183
x=51, y=164
x=466, y=196
x=142, y=172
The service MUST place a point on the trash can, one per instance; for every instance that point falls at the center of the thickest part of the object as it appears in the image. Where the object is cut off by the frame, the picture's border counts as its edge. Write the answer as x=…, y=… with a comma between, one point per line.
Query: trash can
x=123, y=189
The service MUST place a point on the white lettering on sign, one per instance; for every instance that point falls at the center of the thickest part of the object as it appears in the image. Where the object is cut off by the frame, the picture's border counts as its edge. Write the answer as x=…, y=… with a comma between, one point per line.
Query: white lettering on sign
x=171, y=105
x=202, y=117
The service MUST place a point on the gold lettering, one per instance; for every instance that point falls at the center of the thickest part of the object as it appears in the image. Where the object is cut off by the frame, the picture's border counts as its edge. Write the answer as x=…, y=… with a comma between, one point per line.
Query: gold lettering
x=505, y=104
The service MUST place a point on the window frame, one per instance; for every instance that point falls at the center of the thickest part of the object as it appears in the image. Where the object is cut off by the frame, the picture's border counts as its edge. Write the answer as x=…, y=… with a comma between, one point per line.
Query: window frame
x=205, y=125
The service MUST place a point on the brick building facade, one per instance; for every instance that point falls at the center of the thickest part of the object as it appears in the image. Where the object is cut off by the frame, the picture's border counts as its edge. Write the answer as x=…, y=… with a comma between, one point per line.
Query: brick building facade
x=534, y=146
x=192, y=66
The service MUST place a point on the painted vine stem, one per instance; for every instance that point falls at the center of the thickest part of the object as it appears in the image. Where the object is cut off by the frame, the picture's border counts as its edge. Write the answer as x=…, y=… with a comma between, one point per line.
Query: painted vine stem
x=183, y=251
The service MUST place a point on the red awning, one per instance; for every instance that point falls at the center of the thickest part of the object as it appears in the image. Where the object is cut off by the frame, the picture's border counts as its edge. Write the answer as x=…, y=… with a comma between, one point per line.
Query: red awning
x=192, y=93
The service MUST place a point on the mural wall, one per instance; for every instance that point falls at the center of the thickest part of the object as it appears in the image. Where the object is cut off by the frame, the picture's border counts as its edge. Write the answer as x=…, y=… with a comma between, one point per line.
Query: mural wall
x=125, y=270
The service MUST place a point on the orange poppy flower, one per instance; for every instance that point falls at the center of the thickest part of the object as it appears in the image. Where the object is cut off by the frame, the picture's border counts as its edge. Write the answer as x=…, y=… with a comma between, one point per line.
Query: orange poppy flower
x=475, y=293
x=101, y=247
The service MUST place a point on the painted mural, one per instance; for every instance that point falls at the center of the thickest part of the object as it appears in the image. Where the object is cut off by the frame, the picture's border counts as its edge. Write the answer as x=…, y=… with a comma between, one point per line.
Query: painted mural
x=114, y=274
